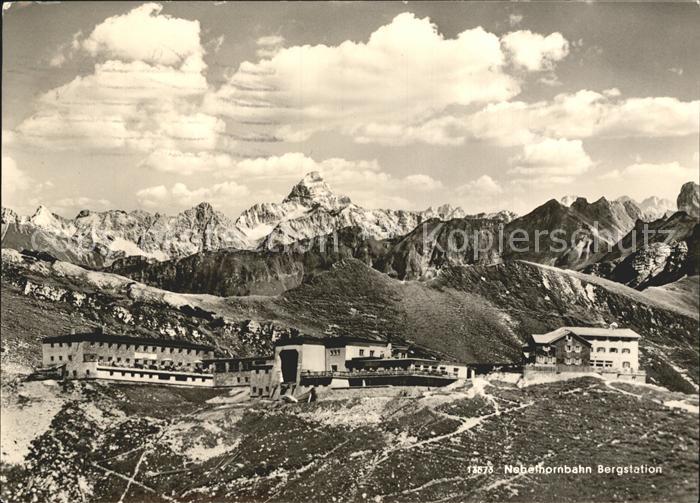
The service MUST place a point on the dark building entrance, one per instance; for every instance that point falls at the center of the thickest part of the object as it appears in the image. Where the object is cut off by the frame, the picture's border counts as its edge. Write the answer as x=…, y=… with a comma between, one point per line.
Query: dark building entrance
x=290, y=361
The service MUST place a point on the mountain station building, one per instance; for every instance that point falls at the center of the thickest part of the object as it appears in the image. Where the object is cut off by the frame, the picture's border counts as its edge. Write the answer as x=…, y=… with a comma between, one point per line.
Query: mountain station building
x=96, y=355
x=605, y=351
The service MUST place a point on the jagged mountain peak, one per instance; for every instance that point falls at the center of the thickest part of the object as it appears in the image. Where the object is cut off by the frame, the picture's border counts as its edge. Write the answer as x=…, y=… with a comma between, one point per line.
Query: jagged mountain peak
x=689, y=199
x=313, y=189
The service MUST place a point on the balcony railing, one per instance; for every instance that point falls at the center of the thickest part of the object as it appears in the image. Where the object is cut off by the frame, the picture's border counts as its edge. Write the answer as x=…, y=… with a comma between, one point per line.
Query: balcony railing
x=378, y=373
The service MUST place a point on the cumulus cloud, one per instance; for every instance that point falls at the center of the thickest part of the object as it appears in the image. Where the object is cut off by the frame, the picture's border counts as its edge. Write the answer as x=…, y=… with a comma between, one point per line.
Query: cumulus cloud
x=403, y=74
x=225, y=195
x=667, y=178
x=144, y=92
x=535, y=52
x=145, y=34
x=584, y=114
x=20, y=191
x=14, y=182
x=482, y=186
x=552, y=161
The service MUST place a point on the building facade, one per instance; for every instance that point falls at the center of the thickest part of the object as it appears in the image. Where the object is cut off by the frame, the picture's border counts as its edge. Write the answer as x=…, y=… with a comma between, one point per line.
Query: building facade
x=603, y=350
x=97, y=355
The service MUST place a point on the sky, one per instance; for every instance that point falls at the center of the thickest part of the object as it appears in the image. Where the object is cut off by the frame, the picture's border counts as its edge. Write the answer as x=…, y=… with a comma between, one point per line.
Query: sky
x=483, y=105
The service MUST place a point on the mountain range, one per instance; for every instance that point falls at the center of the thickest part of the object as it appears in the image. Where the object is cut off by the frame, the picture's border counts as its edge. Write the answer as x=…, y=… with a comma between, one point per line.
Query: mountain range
x=272, y=247
x=311, y=209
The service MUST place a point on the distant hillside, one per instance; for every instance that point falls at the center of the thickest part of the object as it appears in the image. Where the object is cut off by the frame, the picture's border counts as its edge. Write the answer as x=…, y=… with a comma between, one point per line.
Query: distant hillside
x=243, y=272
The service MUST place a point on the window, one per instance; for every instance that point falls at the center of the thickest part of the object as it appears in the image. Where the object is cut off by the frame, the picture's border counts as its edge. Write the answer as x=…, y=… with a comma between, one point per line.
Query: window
x=255, y=390
x=371, y=352
x=600, y=350
x=60, y=358
x=625, y=365
x=568, y=361
x=455, y=370
x=568, y=349
x=578, y=349
x=578, y=361
x=52, y=358
x=362, y=352
x=75, y=373
x=52, y=344
x=87, y=372
x=625, y=350
x=119, y=358
x=70, y=358
x=334, y=368
x=612, y=350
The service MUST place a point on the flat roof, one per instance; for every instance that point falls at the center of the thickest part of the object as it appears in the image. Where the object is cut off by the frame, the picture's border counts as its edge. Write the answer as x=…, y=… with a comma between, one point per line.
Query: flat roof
x=126, y=339
x=422, y=360
x=330, y=342
x=235, y=359
x=622, y=333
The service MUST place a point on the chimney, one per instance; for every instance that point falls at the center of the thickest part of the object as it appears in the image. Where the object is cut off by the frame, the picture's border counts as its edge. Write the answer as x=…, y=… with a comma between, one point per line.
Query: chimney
x=72, y=331
x=614, y=325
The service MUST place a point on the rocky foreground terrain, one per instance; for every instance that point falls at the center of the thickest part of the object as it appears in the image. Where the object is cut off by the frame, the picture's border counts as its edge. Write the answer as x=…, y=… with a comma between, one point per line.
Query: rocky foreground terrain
x=95, y=442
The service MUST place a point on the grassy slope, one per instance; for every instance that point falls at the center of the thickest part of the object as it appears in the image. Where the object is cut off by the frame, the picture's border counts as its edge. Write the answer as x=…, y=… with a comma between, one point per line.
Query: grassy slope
x=683, y=294
x=387, y=448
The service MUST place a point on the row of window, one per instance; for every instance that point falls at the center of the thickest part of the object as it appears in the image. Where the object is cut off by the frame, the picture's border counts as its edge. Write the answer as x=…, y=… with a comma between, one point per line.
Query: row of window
x=572, y=361
x=60, y=358
x=608, y=364
x=136, y=347
x=161, y=377
x=611, y=350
